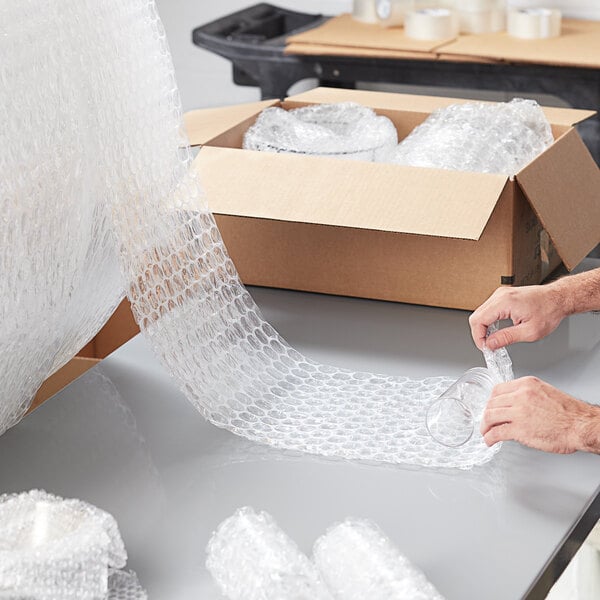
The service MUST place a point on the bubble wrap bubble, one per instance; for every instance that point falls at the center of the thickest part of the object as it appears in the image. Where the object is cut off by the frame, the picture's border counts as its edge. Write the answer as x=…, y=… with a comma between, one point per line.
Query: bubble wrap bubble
x=184, y=289
x=486, y=138
x=59, y=279
x=53, y=548
x=124, y=585
x=345, y=130
x=251, y=558
x=357, y=561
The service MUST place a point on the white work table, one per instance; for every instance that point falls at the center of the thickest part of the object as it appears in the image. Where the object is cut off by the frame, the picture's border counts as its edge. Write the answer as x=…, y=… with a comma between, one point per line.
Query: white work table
x=124, y=437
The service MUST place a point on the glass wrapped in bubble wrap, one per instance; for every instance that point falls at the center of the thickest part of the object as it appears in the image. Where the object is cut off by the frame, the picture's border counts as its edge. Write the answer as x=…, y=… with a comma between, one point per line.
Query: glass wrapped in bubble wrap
x=357, y=561
x=476, y=136
x=345, y=130
x=251, y=558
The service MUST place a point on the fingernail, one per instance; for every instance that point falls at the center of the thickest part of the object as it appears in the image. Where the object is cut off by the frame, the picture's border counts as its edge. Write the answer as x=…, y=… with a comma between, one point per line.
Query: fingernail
x=492, y=344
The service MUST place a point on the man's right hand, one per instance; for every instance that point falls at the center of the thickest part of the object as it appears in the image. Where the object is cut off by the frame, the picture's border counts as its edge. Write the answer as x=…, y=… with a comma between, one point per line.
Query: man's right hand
x=535, y=311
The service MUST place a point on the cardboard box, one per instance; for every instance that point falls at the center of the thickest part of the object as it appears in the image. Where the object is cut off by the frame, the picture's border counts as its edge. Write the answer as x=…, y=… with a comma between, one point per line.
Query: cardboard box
x=119, y=329
x=390, y=232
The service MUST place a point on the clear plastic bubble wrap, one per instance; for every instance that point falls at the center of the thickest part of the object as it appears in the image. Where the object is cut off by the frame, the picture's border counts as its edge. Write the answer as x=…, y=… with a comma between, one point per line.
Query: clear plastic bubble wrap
x=251, y=558
x=53, y=548
x=345, y=130
x=110, y=60
x=59, y=278
x=357, y=561
x=486, y=138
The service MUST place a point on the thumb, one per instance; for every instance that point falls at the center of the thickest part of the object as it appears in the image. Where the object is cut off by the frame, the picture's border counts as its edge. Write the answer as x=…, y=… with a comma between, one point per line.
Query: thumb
x=505, y=337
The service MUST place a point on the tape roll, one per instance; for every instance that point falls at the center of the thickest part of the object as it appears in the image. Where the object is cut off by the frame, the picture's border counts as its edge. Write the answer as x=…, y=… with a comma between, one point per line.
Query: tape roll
x=364, y=11
x=534, y=23
x=390, y=13
x=479, y=5
x=482, y=22
x=431, y=24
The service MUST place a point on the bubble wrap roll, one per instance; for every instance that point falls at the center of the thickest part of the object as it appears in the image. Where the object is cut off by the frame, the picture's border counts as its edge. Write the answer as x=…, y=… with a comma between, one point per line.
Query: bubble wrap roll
x=251, y=558
x=345, y=130
x=486, y=138
x=357, y=561
x=131, y=155
x=59, y=277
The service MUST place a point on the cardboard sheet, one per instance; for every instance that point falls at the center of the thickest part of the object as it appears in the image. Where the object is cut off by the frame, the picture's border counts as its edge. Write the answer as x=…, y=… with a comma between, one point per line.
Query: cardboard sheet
x=329, y=50
x=361, y=195
x=422, y=104
x=578, y=46
x=561, y=185
x=204, y=124
x=346, y=32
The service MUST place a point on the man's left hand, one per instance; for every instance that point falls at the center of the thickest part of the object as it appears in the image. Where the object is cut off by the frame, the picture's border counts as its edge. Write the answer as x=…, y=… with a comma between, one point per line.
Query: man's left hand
x=536, y=414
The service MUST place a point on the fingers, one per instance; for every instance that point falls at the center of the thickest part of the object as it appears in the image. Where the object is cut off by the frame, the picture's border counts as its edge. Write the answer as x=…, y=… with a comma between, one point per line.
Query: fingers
x=494, y=417
x=479, y=322
x=500, y=433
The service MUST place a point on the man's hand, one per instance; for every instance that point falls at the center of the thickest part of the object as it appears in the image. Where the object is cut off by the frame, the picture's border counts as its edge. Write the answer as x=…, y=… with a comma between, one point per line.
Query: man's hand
x=535, y=311
x=534, y=413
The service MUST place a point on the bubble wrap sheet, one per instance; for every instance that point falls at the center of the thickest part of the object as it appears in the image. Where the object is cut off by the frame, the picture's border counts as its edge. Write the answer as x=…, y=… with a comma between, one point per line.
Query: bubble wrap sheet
x=345, y=130
x=52, y=548
x=486, y=138
x=59, y=278
x=106, y=65
x=357, y=561
x=251, y=558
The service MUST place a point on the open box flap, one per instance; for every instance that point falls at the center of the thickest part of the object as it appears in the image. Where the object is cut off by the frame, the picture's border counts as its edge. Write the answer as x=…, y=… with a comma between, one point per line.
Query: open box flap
x=563, y=188
x=343, y=193
x=204, y=124
x=420, y=104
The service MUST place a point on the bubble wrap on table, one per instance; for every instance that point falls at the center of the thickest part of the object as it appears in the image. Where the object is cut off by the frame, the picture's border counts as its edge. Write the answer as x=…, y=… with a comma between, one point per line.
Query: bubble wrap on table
x=251, y=558
x=357, y=561
x=184, y=289
x=486, y=138
x=59, y=278
x=53, y=548
x=345, y=130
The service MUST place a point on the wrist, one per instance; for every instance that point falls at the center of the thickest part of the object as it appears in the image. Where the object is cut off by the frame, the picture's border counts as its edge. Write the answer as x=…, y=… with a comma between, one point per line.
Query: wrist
x=561, y=295
x=588, y=430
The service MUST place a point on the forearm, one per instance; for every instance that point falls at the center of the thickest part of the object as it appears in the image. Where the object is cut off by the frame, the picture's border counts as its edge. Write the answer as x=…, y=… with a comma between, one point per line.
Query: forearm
x=577, y=293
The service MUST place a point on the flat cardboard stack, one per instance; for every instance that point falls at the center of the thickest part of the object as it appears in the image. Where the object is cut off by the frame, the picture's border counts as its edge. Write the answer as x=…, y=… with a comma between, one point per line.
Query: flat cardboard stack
x=390, y=232
x=577, y=46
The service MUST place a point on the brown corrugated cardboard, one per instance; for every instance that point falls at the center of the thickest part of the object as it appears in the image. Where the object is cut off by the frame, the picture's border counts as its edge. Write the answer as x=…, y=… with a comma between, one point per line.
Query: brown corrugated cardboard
x=562, y=184
x=120, y=328
x=577, y=46
x=382, y=101
x=329, y=50
x=425, y=236
x=345, y=31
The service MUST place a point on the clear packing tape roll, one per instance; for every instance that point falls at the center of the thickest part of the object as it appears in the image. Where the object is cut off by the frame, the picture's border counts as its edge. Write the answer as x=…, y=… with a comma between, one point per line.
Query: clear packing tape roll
x=184, y=289
x=482, y=22
x=53, y=548
x=364, y=11
x=534, y=23
x=431, y=24
x=390, y=13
